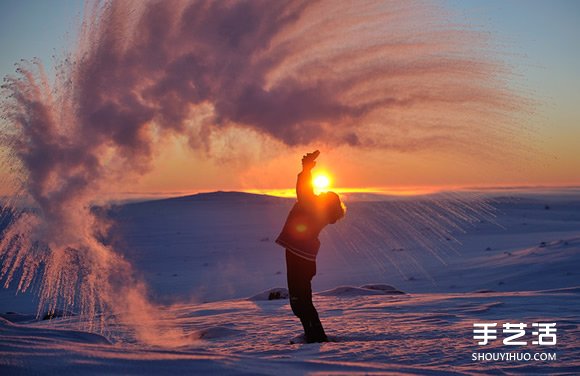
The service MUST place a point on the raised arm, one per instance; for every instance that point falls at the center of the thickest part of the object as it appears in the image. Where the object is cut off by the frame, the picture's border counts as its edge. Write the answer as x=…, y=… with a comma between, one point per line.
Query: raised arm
x=304, y=188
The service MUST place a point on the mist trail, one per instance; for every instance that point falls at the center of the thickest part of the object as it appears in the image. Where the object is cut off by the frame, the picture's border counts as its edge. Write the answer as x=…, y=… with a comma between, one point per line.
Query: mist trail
x=370, y=74
x=405, y=235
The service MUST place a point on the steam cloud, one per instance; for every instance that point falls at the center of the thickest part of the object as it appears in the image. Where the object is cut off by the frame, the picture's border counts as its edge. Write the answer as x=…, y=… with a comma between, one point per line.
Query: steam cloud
x=366, y=74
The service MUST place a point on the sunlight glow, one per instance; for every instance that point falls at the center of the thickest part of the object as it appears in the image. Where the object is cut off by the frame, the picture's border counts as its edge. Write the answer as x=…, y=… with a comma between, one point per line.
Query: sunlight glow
x=346, y=191
x=321, y=183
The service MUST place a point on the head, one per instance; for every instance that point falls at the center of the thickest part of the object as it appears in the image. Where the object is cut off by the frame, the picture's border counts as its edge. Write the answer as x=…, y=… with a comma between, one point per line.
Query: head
x=332, y=207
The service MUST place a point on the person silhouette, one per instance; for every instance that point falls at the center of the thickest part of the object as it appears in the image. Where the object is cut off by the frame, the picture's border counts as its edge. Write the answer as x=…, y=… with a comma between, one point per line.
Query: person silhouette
x=309, y=215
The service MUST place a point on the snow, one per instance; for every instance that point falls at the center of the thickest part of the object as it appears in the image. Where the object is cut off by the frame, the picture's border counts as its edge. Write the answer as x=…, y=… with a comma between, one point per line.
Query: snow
x=373, y=289
x=212, y=267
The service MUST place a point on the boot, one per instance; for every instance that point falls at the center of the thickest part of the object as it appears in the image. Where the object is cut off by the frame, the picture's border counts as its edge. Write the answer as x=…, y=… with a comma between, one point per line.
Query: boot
x=314, y=332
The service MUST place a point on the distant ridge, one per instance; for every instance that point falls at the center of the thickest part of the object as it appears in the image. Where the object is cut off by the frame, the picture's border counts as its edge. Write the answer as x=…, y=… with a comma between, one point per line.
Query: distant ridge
x=225, y=195
x=220, y=196
x=245, y=197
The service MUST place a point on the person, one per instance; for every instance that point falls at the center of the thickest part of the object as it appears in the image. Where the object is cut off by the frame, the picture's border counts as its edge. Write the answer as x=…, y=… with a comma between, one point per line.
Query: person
x=309, y=215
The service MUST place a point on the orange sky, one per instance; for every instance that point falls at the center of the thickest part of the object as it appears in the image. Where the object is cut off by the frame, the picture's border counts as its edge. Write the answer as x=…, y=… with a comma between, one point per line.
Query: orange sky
x=550, y=161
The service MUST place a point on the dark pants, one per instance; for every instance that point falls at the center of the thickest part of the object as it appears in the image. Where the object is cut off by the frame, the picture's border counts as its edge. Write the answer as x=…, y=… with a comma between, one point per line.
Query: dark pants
x=300, y=272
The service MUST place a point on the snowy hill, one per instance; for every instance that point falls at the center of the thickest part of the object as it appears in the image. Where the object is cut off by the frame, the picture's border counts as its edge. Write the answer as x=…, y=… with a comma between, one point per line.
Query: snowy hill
x=392, y=304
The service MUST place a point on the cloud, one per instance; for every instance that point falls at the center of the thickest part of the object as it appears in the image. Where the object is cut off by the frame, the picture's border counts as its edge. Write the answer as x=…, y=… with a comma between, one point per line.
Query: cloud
x=299, y=72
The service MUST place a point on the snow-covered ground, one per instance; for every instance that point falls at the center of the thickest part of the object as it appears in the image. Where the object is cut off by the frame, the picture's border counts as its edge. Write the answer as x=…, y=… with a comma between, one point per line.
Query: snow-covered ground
x=210, y=261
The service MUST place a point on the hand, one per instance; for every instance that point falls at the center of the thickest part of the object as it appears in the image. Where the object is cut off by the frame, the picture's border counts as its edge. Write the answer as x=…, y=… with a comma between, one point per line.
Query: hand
x=309, y=160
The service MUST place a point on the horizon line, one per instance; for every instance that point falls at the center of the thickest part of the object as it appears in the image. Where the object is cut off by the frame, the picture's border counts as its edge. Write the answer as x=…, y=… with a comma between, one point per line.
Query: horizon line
x=387, y=191
x=132, y=196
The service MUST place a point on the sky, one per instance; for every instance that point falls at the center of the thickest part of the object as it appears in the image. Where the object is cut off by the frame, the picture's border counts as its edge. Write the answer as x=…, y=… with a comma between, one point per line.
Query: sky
x=538, y=39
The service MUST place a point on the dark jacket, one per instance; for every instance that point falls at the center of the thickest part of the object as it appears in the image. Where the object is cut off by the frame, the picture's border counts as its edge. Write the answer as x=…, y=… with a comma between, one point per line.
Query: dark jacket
x=304, y=222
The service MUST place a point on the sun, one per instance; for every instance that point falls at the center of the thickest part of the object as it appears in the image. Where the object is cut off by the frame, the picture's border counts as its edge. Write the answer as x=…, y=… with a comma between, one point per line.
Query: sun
x=321, y=183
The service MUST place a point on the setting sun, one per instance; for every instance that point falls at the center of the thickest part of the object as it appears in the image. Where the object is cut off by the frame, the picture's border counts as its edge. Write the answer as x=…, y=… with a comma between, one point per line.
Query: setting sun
x=321, y=183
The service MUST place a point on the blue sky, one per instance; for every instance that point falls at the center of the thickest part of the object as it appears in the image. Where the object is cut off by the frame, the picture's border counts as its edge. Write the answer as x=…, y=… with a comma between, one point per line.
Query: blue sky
x=35, y=28
x=545, y=36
